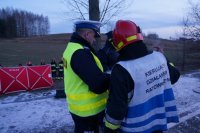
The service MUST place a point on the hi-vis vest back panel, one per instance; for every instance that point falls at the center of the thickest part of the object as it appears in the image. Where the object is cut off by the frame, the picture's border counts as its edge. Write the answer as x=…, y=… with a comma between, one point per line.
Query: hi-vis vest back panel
x=81, y=101
x=152, y=105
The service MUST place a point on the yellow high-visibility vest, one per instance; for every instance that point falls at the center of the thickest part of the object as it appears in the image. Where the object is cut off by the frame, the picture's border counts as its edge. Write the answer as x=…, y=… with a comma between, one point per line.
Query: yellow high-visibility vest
x=81, y=101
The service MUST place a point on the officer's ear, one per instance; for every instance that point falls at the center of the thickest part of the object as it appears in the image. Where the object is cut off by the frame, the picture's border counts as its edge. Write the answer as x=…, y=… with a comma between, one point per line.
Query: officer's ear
x=86, y=34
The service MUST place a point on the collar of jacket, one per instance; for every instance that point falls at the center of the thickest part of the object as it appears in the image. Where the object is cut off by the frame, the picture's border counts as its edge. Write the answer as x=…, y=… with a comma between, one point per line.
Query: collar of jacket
x=75, y=38
x=133, y=51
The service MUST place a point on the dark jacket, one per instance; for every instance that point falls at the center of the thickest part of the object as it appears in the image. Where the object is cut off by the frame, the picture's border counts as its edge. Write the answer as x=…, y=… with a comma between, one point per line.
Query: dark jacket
x=118, y=92
x=108, y=56
x=84, y=65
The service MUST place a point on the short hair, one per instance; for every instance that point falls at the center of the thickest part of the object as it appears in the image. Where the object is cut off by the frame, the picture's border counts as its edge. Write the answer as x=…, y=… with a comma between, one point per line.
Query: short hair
x=80, y=31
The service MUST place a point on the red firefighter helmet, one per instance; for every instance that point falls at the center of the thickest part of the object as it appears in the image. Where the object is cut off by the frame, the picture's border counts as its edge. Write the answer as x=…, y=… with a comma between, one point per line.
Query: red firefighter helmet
x=125, y=33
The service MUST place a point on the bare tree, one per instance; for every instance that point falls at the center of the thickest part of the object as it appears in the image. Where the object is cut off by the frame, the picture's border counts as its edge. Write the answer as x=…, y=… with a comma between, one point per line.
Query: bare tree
x=101, y=10
x=191, y=23
x=16, y=23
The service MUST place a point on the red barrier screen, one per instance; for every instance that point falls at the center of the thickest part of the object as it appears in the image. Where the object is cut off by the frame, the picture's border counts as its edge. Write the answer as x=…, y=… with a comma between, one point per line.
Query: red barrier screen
x=17, y=79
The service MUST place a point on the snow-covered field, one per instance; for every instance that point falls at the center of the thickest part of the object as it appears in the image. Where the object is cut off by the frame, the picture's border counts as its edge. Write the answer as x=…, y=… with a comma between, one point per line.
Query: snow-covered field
x=34, y=112
x=39, y=111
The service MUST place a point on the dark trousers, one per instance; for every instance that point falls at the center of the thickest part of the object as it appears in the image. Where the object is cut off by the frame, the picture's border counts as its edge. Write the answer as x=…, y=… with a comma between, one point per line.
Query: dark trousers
x=53, y=74
x=60, y=74
x=88, y=124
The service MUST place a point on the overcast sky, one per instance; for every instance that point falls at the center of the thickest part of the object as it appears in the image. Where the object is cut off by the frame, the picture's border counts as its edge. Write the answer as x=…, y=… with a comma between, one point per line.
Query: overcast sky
x=154, y=16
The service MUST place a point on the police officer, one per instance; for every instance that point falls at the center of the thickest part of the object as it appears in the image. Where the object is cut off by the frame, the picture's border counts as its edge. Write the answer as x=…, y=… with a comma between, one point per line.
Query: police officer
x=85, y=82
x=60, y=69
x=141, y=98
x=53, y=68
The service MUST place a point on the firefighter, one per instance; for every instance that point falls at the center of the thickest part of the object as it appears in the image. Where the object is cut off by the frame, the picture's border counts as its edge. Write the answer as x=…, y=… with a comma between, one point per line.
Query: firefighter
x=85, y=82
x=108, y=55
x=19, y=65
x=53, y=68
x=60, y=69
x=141, y=98
x=42, y=62
x=29, y=63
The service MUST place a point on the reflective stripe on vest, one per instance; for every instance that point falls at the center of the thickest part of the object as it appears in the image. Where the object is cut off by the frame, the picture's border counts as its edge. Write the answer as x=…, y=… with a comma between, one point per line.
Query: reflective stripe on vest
x=81, y=101
x=111, y=126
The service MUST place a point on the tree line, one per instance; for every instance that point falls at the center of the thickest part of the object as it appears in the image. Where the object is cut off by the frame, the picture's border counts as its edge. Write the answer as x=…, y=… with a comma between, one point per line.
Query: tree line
x=191, y=22
x=18, y=23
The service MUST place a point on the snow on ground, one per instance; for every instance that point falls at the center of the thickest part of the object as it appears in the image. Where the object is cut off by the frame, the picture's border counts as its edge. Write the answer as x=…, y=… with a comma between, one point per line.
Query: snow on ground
x=183, y=90
x=188, y=101
x=39, y=111
x=34, y=113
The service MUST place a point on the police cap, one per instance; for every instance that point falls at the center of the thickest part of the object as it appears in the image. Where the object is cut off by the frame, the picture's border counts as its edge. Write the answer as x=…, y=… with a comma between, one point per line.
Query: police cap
x=94, y=25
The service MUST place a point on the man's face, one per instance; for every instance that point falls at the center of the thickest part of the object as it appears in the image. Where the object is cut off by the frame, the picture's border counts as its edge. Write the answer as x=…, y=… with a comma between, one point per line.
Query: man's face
x=90, y=36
